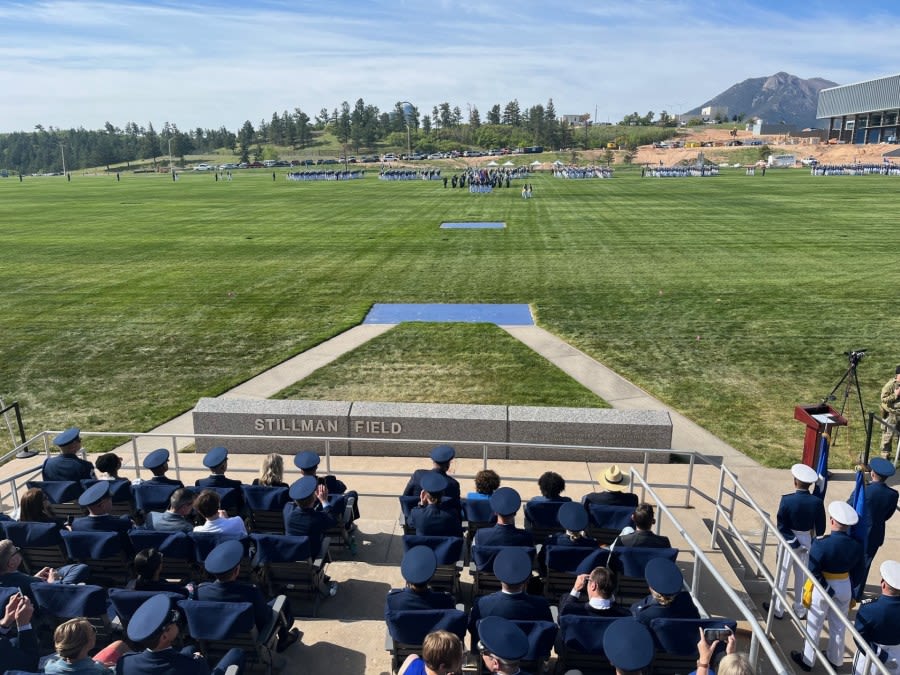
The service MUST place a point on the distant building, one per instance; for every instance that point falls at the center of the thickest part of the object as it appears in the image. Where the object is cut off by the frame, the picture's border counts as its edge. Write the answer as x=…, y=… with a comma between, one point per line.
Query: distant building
x=576, y=120
x=864, y=112
x=712, y=112
x=763, y=128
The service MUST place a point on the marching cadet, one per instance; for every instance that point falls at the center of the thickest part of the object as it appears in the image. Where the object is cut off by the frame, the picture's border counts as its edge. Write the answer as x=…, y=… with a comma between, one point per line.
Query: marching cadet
x=800, y=515
x=881, y=503
x=836, y=561
x=878, y=621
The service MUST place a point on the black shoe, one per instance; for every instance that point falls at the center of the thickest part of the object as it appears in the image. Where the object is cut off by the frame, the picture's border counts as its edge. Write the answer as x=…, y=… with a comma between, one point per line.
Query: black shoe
x=766, y=606
x=287, y=640
x=797, y=658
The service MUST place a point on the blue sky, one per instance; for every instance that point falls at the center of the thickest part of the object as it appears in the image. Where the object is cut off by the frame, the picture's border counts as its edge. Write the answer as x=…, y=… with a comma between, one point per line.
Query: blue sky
x=71, y=63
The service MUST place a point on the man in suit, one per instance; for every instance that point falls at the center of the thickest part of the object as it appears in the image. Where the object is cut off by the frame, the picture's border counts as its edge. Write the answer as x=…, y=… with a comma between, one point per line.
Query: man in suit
x=157, y=463
x=441, y=456
x=429, y=518
x=224, y=563
x=667, y=600
x=154, y=628
x=67, y=465
x=877, y=621
x=417, y=567
x=643, y=535
x=599, y=585
x=512, y=567
x=175, y=518
x=505, y=502
x=801, y=516
x=613, y=492
x=20, y=652
x=881, y=503
x=98, y=502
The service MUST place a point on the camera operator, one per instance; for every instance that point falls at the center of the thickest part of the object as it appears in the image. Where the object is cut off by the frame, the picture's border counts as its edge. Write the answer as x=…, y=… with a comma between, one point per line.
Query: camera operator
x=890, y=412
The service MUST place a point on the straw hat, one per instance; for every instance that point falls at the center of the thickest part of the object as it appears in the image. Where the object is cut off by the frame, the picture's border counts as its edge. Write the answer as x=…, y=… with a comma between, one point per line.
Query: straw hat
x=613, y=479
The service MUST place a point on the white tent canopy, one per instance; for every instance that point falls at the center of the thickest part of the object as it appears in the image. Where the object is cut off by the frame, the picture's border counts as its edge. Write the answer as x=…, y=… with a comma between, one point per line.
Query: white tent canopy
x=492, y=163
x=536, y=162
x=508, y=163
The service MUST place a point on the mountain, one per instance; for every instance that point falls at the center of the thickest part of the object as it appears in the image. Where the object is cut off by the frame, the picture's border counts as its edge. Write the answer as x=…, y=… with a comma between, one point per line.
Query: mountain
x=781, y=96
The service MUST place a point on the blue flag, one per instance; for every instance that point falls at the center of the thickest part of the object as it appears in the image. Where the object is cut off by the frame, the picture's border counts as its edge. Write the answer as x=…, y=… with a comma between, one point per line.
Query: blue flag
x=822, y=469
x=857, y=500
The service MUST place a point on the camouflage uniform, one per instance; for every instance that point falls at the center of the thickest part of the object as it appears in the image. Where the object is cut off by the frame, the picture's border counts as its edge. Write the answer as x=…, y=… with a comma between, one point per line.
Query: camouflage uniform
x=890, y=411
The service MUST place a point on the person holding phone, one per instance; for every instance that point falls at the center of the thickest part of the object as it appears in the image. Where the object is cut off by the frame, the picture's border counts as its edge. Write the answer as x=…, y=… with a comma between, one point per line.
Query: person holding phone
x=734, y=663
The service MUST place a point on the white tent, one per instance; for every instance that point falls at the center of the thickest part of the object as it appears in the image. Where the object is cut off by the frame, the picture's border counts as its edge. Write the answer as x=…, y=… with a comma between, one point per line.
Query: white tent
x=536, y=162
x=508, y=163
x=557, y=163
x=492, y=163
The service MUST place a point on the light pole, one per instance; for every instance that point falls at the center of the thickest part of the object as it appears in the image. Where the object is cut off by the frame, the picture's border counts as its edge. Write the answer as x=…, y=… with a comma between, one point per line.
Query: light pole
x=170, y=155
x=406, y=119
x=62, y=149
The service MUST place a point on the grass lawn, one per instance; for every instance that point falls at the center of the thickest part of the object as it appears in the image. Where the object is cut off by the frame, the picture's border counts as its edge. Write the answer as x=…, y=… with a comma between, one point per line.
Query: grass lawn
x=731, y=298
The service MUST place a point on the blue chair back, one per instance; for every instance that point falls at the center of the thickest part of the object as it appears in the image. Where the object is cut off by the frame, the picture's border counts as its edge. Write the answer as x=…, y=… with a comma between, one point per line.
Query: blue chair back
x=32, y=535
x=229, y=497
x=265, y=498
x=280, y=548
x=541, y=637
x=205, y=542
x=483, y=556
x=597, y=558
x=610, y=517
x=569, y=558
x=85, y=545
x=58, y=491
x=447, y=550
x=679, y=636
x=119, y=489
x=411, y=626
x=171, y=544
x=630, y=561
x=584, y=633
x=69, y=601
x=543, y=515
x=125, y=602
x=152, y=496
x=478, y=511
x=212, y=620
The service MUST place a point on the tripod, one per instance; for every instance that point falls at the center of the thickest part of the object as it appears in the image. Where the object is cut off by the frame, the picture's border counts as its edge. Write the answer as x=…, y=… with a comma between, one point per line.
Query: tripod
x=849, y=380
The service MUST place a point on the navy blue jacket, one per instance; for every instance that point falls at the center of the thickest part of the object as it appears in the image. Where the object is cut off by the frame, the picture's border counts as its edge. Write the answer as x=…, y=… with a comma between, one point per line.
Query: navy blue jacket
x=682, y=607
x=569, y=604
x=503, y=535
x=611, y=498
x=877, y=621
x=104, y=523
x=407, y=599
x=164, y=480
x=19, y=653
x=881, y=503
x=800, y=511
x=217, y=480
x=414, y=485
x=66, y=467
x=165, y=662
x=836, y=554
x=432, y=520
x=312, y=523
x=513, y=606
x=237, y=591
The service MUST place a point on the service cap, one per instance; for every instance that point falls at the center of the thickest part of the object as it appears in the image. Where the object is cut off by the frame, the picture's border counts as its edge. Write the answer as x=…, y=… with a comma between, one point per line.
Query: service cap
x=215, y=456
x=572, y=516
x=94, y=494
x=843, y=513
x=434, y=482
x=628, y=645
x=156, y=459
x=441, y=454
x=882, y=467
x=306, y=460
x=69, y=435
x=663, y=576
x=505, y=501
x=502, y=638
x=890, y=572
x=804, y=473
x=224, y=557
x=512, y=565
x=303, y=487
x=150, y=617
x=418, y=565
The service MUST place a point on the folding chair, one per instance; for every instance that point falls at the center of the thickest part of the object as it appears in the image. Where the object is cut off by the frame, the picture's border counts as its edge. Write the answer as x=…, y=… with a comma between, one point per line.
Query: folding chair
x=266, y=506
x=220, y=626
x=448, y=551
x=477, y=513
x=563, y=563
x=676, y=642
x=62, y=495
x=628, y=562
x=286, y=565
x=484, y=580
x=179, y=563
x=125, y=602
x=606, y=522
x=152, y=496
x=406, y=630
x=541, y=519
x=120, y=491
x=580, y=644
x=110, y=563
x=60, y=602
x=205, y=542
x=41, y=544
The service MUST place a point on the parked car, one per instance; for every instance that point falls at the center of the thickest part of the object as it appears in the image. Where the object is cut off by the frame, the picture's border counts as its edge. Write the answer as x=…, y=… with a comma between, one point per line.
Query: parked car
x=203, y=166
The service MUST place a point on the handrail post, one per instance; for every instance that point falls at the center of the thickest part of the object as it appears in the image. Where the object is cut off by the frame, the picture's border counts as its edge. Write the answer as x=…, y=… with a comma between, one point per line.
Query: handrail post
x=715, y=527
x=176, y=462
x=484, y=456
x=646, y=471
x=690, y=481
x=134, y=454
x=327, y=456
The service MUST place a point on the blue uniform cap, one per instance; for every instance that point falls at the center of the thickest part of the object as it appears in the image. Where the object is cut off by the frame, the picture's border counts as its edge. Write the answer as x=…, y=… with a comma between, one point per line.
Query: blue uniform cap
x=442, y=454
x=303, y=488
x=156, y=459
x=215, y=457
x=502, y=638
x=150, y=617
x=306, y=460
x=433, y=482
x=512, y=566
x=94, y=494
x=663, y=576
x=572, y=516
x=505, y=501
x=418, y=565
x=628, y=645
x=882, y=467
x=224, y=557
x=66, y=437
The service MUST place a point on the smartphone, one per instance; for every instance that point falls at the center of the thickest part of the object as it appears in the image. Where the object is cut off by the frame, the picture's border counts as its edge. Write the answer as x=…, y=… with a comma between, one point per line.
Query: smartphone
x=713, y=634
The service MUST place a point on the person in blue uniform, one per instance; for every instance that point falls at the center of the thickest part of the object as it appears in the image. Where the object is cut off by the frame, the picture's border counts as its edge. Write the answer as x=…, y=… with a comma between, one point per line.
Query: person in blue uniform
x=628, y=644
x=157, y=463
x=154, y=628
x=574, y=520
x=67, y=465
x=512, y=566
x=599, y=586
x=503, y=644
x=881, y=504
x=441, y=456
x=98, y=502
x=614, y=490
x=878, y=621
x=224, y=563
x=429, y=518
x=417, y=567
x=302, y=518
x=667, y=599
x=643, y=535
x=801, y=516
x=216, y=460
x=308, y=463
x=837, y=562
x=505, y=502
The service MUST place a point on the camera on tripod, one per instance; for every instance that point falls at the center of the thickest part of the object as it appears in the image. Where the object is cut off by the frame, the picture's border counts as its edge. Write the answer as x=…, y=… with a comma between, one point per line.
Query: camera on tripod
x=855, y=356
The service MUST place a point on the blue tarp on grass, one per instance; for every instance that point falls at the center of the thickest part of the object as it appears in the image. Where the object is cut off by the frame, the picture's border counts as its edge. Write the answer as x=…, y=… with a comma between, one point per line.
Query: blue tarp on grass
x=503, y=315
x=473, y=226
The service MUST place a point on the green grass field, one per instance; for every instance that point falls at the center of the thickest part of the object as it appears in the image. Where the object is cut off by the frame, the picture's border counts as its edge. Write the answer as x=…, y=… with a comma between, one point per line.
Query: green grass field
x=731, y=298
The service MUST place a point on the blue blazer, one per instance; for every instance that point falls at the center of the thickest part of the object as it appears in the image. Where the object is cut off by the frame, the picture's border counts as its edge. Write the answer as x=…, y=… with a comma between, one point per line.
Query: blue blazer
x=800, y=511
x=66, y=467
x=406, y=599
x=503, y=535
x=881, y=503
x=165, y=662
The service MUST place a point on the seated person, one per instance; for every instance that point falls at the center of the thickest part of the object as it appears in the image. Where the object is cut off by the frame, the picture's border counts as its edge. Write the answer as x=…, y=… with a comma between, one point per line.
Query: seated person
x=271, y=471
x=98, y=502
x=442, y=653
x=109, y=464
x=216, y=460
x=512, y=567
x=574, y=519
x=20, y=652
x=599, y=586
x=208, y=505
x=308, y=463
x=34, y=507
x=11, y=577
x=551, y=485
x=148, y=565
x=613, y=484
x=502, y=646
x=224, y=563
x=441, y=456
x=177, y=517
x=428, y=518
x=417, y=567
x=643, y=535
x=505, y=502
x=629, y=646
x=302, y=518
x=486, y=482
x=73, y=640
x=157, y=463
x=153, y=629
x=67, y=465
x=667, y=598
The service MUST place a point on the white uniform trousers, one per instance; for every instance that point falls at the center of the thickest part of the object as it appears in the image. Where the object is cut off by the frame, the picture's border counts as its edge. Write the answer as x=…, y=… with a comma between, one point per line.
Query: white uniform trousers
x=787, y=566
x=892, y=661
x=815, y=620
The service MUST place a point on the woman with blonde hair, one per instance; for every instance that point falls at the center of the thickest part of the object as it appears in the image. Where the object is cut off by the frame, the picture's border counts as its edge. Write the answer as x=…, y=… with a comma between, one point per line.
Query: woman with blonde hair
x=73, y=641
x=442, y=654
x=271, y=472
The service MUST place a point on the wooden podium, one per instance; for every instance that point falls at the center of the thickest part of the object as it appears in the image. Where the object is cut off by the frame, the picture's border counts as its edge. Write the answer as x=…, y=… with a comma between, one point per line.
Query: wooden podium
x=818, y=419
